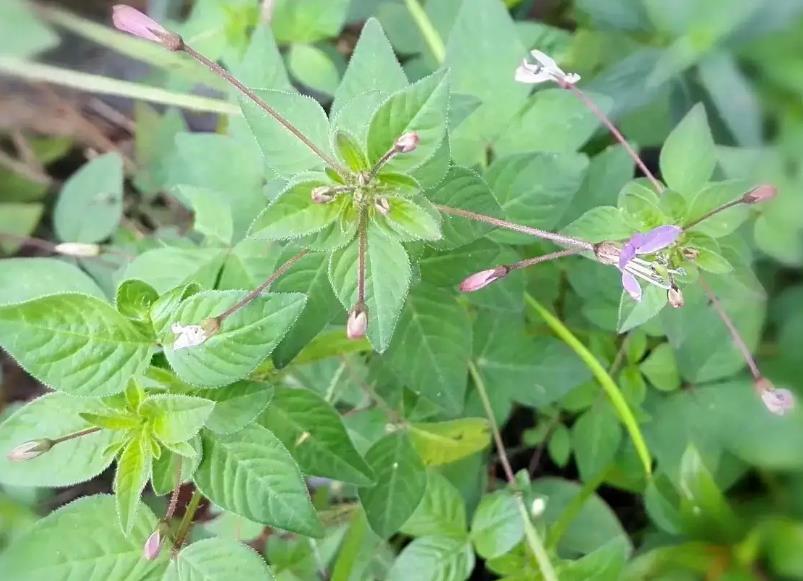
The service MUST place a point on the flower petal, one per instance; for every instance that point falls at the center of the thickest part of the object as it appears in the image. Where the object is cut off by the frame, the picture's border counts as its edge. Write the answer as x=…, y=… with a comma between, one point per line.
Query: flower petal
x=134, y=22
x=526, y=74
x=778, y=401
x=546, y=61
x=656, y=239
x=631, y=285
x=627, y=253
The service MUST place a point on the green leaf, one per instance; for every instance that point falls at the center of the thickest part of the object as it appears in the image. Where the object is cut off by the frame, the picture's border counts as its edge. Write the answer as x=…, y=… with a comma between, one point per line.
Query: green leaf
x=309, y=276
x=51, y=416
x=311, y=429
x=535, y=189
x=164, y=308
x=165, y=468
x=244, y=340
x=18, y=220
x=713, y=196
x=401, y=480
x=688, y=156
x=387, y=278
x=596, y=436
x=421, y=108
x=22, y=279
x=262, y=65
x=176, y=418
x=632, y=313
x=236, y=405
x=433, y=559
x=252, y=474
x=293, y=213
x=169, y=267
x=313, y=68
x=212, y=212
x=120, y=421
x=308, y=20
x=82, y=540
x=283, y=151
x=432, y=347
x=496, y=527
x=134, y=299
x=154, y=140
x=133, y=471
x=409, y=220
x=211, y=559
x=560, y=445
x=449, y=441
x=350, y=151
x=554, y=120
x=373, y=67
x=90, y=204
x=442, y=511
x=600, y=224
x=604, y=564
x=661, y=369
x=464, y=189
x=74, y=343
x=22, y=33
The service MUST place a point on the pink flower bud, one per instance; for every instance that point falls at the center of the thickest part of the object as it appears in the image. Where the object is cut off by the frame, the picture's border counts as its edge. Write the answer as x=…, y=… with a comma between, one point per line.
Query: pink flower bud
x=762, y=193
x=675, y=297
x=480, y=280
x=136, y=23
x=357, y=324
x=153, y=545
x=777, y=401
x=30, y=450
x=407, y=142
x=382, y=206
x=322, y=195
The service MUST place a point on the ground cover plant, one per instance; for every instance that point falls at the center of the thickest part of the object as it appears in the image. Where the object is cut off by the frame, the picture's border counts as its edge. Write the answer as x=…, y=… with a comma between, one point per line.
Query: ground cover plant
x=388, y=290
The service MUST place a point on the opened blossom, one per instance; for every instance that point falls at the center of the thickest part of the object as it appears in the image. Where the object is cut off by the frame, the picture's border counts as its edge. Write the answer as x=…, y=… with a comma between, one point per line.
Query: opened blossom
x=634, y=268
x=544, y=70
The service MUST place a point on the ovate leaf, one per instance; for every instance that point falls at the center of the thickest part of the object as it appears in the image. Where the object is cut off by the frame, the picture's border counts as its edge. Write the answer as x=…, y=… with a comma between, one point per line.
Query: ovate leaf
x=595, y=439
x=312, y=431
x=133, y=471
x=211, y=559
x=434, y=559
x=400, y=483
x=176, y=418
x=252, y=474
x=442, y=511
x=496, y=527
x=22, y=279
x=293, y=213
x=236, y=405
x=688, y=156
x=445, y=442
x=74, y=343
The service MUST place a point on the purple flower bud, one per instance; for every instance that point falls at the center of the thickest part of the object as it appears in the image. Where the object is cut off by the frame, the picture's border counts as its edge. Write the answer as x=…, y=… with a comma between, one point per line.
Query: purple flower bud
x=407, y=142
x=675, y=297
x=479, y=280
x=136, y=23
x=30, y=450
x=322, y=195
x=153, y=545
x=762, y=193
x=382, y=206
x=357, y=324
x=778, y=401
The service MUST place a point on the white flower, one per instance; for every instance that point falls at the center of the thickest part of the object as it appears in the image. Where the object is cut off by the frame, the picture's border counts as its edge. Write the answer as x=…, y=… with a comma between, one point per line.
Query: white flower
x=188, y=336
x=544, y=69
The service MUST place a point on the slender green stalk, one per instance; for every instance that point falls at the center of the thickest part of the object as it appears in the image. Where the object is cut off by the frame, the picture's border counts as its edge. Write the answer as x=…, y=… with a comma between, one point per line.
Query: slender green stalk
x=431, y=36
x=80, y=81
x=533, y=540
x=602, y=376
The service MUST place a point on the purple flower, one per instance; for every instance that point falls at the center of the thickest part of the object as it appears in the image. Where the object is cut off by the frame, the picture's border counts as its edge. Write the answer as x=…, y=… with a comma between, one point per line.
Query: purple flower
x=644, y=243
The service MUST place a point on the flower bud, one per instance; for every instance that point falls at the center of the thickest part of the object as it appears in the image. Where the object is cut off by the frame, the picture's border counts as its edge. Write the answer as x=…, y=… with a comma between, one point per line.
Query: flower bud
x=357, y=324
x=153, y=545
x=30, y=450
x=322, y=195
x=762, y=193
x=382, y=206
x=136, y=23
x=538, y=506
x=407, y=142
x=77, y=249
x=480, y=280
x=777, y=401
x=675, y=297
x=690, y=253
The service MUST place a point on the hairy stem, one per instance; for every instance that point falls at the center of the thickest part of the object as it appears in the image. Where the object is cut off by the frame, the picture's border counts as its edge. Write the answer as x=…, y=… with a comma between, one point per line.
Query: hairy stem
x=737, y=338
x=537, y=232
x=171, y=506
x=74, y=435
x=431, y=36
x=543, y=258
x=233, y=81
x=278, y=273
x=186, y=520
x=363, y=247
x=533, y=539
x=713, y=212
x=606, y=121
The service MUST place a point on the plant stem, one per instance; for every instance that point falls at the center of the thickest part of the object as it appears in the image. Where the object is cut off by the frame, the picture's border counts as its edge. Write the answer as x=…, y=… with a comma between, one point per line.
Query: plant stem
x=233, y=81
x=707, y=215
x=737, y=338
x=278, y=273
x=605, y=380
x=74, y=435
x=33, y=174
x=186, y=520
x=108, y=86
x=363, y=247
x=431, y=36
x=533, y=540
x=606, y=121
x=171, y=506
x=537, y=232
x=543, y=258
